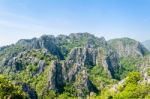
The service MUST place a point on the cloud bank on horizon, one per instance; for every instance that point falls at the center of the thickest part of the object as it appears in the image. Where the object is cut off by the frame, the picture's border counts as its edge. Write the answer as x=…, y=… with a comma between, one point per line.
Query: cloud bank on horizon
x=109, y=18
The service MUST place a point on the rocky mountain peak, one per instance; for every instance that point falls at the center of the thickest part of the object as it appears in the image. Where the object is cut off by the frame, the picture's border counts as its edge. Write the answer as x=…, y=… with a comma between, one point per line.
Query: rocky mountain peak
x=128, y=47
x=78, y=64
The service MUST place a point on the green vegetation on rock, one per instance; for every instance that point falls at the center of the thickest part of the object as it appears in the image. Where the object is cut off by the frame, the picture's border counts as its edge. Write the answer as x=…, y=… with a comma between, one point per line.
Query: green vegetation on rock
x=74, y=66
x=8, y=90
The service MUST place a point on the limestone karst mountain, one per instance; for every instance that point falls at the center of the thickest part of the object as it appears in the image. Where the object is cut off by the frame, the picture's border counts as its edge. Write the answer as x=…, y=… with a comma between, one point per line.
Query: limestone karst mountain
x=128, y=47
x=76, y=65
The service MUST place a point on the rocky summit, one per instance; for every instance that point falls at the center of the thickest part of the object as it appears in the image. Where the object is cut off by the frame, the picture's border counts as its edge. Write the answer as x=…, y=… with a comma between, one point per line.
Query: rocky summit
x=79, y=65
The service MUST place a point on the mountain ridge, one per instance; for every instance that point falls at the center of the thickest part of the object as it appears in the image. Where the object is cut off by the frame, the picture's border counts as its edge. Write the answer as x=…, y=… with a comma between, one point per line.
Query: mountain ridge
x=78, y=64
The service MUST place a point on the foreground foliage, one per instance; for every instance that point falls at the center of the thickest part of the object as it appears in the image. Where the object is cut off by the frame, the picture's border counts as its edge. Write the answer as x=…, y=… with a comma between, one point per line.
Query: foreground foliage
x=9, y=90
x=131, y=88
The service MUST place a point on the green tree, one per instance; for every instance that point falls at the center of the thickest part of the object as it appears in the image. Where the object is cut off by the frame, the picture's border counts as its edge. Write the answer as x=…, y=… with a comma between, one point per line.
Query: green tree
x=133, y=89
x=9, y=90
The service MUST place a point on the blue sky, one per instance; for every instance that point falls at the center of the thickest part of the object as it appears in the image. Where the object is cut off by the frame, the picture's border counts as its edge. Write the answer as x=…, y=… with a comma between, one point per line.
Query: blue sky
x=109, y=18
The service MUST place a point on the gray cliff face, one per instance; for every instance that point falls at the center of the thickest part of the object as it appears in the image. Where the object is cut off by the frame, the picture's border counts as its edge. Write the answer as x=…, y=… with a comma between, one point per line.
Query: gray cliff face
x=40, y=67
x=81, y=80
x=44, y=42
x=83, y=56
x=90, y=57
x=128, y=47
x=83, y=84
x=112, y=65
x=23, y=60
x=77, y=60
x=55, y=77
x=109, y=59
x=74, y=69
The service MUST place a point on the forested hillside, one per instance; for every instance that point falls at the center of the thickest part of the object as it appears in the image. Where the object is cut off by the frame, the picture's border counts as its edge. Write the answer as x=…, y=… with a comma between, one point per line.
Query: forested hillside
x=79, y=65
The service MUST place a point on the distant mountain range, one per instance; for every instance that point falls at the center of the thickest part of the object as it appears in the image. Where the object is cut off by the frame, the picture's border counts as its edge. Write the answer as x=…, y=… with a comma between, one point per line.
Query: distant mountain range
x=78, y=65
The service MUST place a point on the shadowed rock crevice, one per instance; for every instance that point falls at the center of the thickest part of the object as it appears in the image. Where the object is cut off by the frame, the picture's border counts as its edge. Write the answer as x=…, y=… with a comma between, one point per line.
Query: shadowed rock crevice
x=55, y=77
